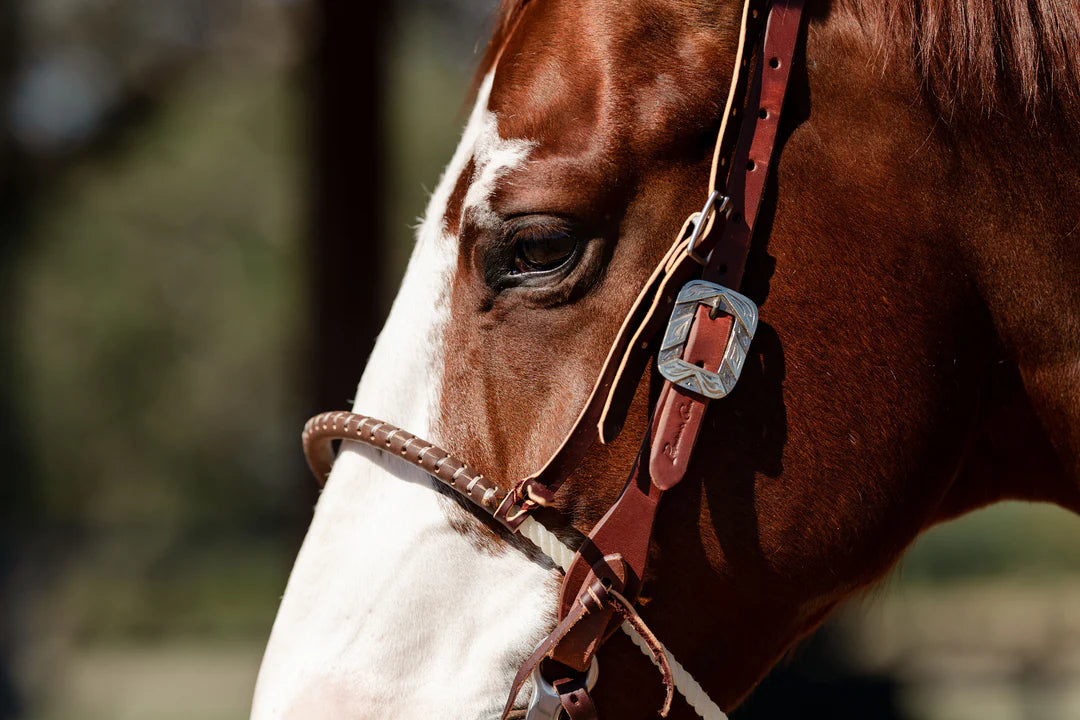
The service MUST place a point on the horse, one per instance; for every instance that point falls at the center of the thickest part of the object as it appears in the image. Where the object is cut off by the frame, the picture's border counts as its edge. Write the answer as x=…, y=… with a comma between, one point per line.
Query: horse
x=916, y=265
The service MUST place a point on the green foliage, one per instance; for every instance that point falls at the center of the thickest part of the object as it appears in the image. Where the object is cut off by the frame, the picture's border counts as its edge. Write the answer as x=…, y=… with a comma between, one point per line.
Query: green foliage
x=1021, y=540
x=425, y=114
x=159, y=314
x=160, y=302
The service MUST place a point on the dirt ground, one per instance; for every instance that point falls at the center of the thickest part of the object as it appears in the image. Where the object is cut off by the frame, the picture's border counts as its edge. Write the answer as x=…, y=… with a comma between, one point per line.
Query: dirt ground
x=177, y=681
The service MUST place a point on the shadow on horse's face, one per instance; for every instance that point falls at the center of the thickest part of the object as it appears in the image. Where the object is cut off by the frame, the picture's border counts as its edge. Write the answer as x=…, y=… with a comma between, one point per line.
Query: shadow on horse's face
x=585, y=151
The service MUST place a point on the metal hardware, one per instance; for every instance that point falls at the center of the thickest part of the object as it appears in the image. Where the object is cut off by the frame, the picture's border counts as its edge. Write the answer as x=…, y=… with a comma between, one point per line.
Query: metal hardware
x=670, y=362
x=544, y=703
x=701, y=220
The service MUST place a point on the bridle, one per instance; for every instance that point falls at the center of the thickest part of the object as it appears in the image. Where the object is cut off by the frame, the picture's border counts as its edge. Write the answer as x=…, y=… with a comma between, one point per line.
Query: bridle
x=699, y=328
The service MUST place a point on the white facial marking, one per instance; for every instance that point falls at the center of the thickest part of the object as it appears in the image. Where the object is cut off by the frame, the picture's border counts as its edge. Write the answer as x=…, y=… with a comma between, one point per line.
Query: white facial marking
x=390, y=612
x=494, y=157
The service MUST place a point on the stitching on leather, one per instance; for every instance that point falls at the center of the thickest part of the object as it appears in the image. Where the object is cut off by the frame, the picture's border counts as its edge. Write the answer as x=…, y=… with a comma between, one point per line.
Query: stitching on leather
x=472, y=484
x=457, y=472
x=422, y=453
x=405, y=445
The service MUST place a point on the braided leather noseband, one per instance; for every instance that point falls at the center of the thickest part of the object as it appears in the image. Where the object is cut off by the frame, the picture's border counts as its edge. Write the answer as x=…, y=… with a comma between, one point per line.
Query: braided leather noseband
x=320, y=430
x=700, y=329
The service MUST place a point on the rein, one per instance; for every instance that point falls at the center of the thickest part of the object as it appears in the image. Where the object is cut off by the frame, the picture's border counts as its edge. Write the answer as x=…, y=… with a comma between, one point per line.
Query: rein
x=699, y=328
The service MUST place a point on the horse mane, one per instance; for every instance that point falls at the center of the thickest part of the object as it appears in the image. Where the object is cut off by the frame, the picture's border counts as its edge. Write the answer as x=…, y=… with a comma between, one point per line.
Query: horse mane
x=988, y=57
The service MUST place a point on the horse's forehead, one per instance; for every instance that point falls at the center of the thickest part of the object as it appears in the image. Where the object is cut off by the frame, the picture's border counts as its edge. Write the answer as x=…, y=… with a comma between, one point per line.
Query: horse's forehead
x=600, y=78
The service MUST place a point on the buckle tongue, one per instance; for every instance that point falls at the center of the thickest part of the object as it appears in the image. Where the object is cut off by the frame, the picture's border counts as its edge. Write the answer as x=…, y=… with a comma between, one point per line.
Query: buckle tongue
x=686, y=375
x=701, y=220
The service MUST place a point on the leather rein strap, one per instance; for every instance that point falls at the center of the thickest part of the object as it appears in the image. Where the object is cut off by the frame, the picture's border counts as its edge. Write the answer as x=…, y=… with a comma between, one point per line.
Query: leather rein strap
x=701, y=350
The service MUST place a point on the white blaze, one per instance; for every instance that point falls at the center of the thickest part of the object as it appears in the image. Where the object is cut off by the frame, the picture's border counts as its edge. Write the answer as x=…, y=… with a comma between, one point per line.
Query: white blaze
x=389, y=611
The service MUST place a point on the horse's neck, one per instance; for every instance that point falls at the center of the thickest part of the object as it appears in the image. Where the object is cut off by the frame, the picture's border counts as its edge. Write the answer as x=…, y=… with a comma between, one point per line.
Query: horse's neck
x=1001, y=191
x=1018, y=229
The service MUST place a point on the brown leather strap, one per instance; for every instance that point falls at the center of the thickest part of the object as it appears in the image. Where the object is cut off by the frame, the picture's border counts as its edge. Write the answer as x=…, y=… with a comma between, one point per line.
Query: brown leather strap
x=591, y=600
x=753, y=156
x=605, y=410
x=680, y=412
x=598, y=597
x=577, y=648
x=575, y=698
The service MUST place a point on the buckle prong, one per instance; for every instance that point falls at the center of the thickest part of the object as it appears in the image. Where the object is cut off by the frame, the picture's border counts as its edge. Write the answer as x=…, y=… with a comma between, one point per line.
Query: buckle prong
x=701, y=219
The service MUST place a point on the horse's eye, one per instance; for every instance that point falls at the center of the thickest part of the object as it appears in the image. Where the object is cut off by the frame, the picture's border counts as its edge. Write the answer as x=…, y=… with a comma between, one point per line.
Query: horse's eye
x=542, y=250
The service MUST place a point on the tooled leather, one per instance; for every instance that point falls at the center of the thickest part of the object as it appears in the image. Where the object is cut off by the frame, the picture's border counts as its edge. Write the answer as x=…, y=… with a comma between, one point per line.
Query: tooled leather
x=680, y=412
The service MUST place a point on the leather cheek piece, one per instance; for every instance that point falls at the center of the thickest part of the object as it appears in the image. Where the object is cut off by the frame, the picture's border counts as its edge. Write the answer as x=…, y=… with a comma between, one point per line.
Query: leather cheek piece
x=577, y=648
x=680, y=413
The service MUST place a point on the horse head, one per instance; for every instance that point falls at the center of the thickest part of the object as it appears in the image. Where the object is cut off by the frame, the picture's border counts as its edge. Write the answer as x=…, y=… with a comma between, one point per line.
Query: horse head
x=890, y=385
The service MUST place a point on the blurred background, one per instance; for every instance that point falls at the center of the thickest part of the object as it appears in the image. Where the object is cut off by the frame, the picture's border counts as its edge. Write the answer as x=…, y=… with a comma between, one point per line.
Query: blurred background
x=190, y=190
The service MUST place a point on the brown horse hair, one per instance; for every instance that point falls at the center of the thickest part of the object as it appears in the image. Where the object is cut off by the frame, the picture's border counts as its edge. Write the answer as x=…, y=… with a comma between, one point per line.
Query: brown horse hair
x=503, y=20
x=1008, y=58
x=993, y=57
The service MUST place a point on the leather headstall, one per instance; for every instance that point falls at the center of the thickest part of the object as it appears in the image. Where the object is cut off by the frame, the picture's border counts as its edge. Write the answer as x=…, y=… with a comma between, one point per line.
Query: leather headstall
x=690, y=318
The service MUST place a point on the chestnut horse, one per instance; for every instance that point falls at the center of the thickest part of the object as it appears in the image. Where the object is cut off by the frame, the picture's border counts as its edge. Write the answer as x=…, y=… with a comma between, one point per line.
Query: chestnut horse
x=917, y=269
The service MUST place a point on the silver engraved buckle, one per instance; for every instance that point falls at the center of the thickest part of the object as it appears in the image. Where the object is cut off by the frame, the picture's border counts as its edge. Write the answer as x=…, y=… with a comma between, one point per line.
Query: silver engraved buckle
x=686, y=375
